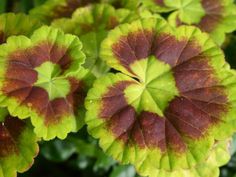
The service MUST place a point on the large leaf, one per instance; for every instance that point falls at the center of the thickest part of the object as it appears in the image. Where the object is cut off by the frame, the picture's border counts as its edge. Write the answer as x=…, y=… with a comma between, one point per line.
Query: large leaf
x=219, y=18
x=173, y=98
x=41, y=78
x=18, y=145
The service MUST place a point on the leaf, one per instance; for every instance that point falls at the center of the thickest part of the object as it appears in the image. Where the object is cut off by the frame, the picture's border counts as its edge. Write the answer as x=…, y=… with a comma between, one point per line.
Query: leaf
x=26, y=25
x=42, y=78
x=18, y=145
x=173, y=98
x=55, y=9
x=57, y=150
x=92, y=24
x=219, y=19
x=123, y=171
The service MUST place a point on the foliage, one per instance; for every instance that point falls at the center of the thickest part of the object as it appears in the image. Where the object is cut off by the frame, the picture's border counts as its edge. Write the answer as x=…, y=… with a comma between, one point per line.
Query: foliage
x=117, y=88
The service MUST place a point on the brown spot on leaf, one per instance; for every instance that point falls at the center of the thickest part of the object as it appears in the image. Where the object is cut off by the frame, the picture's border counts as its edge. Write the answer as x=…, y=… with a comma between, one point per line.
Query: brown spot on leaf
x=10, y=130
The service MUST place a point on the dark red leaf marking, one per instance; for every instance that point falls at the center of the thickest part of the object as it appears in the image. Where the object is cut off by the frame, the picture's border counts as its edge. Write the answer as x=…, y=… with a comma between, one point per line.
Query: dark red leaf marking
x=21, y=76
x=214, y=10
x=10, y=130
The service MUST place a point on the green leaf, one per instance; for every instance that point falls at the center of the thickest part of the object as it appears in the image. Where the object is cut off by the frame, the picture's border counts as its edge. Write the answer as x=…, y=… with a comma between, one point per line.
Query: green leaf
x=173, y=97
x=57, y=150
x=18, y=145
x=26, y=25
x=123, y=171
x=43, y=79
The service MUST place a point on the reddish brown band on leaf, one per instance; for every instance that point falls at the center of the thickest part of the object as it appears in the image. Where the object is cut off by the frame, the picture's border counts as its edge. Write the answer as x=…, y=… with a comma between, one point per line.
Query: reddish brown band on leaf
x=37, y=55
x=213, y=10
x=10, y=130
x=165, y=47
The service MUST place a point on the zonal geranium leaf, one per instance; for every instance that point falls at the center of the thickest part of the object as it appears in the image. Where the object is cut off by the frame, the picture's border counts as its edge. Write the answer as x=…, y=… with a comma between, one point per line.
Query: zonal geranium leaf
x=42, y=79
x=16, y=24
x=54, y=9
x=219, y=18
x=18, y=145
x=173, y=98
x=92, y=24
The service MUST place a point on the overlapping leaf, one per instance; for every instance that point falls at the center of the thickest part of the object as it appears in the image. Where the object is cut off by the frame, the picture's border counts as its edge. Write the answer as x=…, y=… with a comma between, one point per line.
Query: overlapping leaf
x=16, y=24
x=219, y=18
x=18, y=145
x=41, y=78
x=174, y=97
x=54, y=9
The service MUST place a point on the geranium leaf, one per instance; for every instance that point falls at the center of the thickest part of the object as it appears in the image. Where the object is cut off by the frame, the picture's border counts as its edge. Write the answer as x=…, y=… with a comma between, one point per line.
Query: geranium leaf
x=42, y=79
x=18, y=145
x=54, y=9
x=92, y=24
x=173, y=98
x=25, y=25
x=219, y=18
